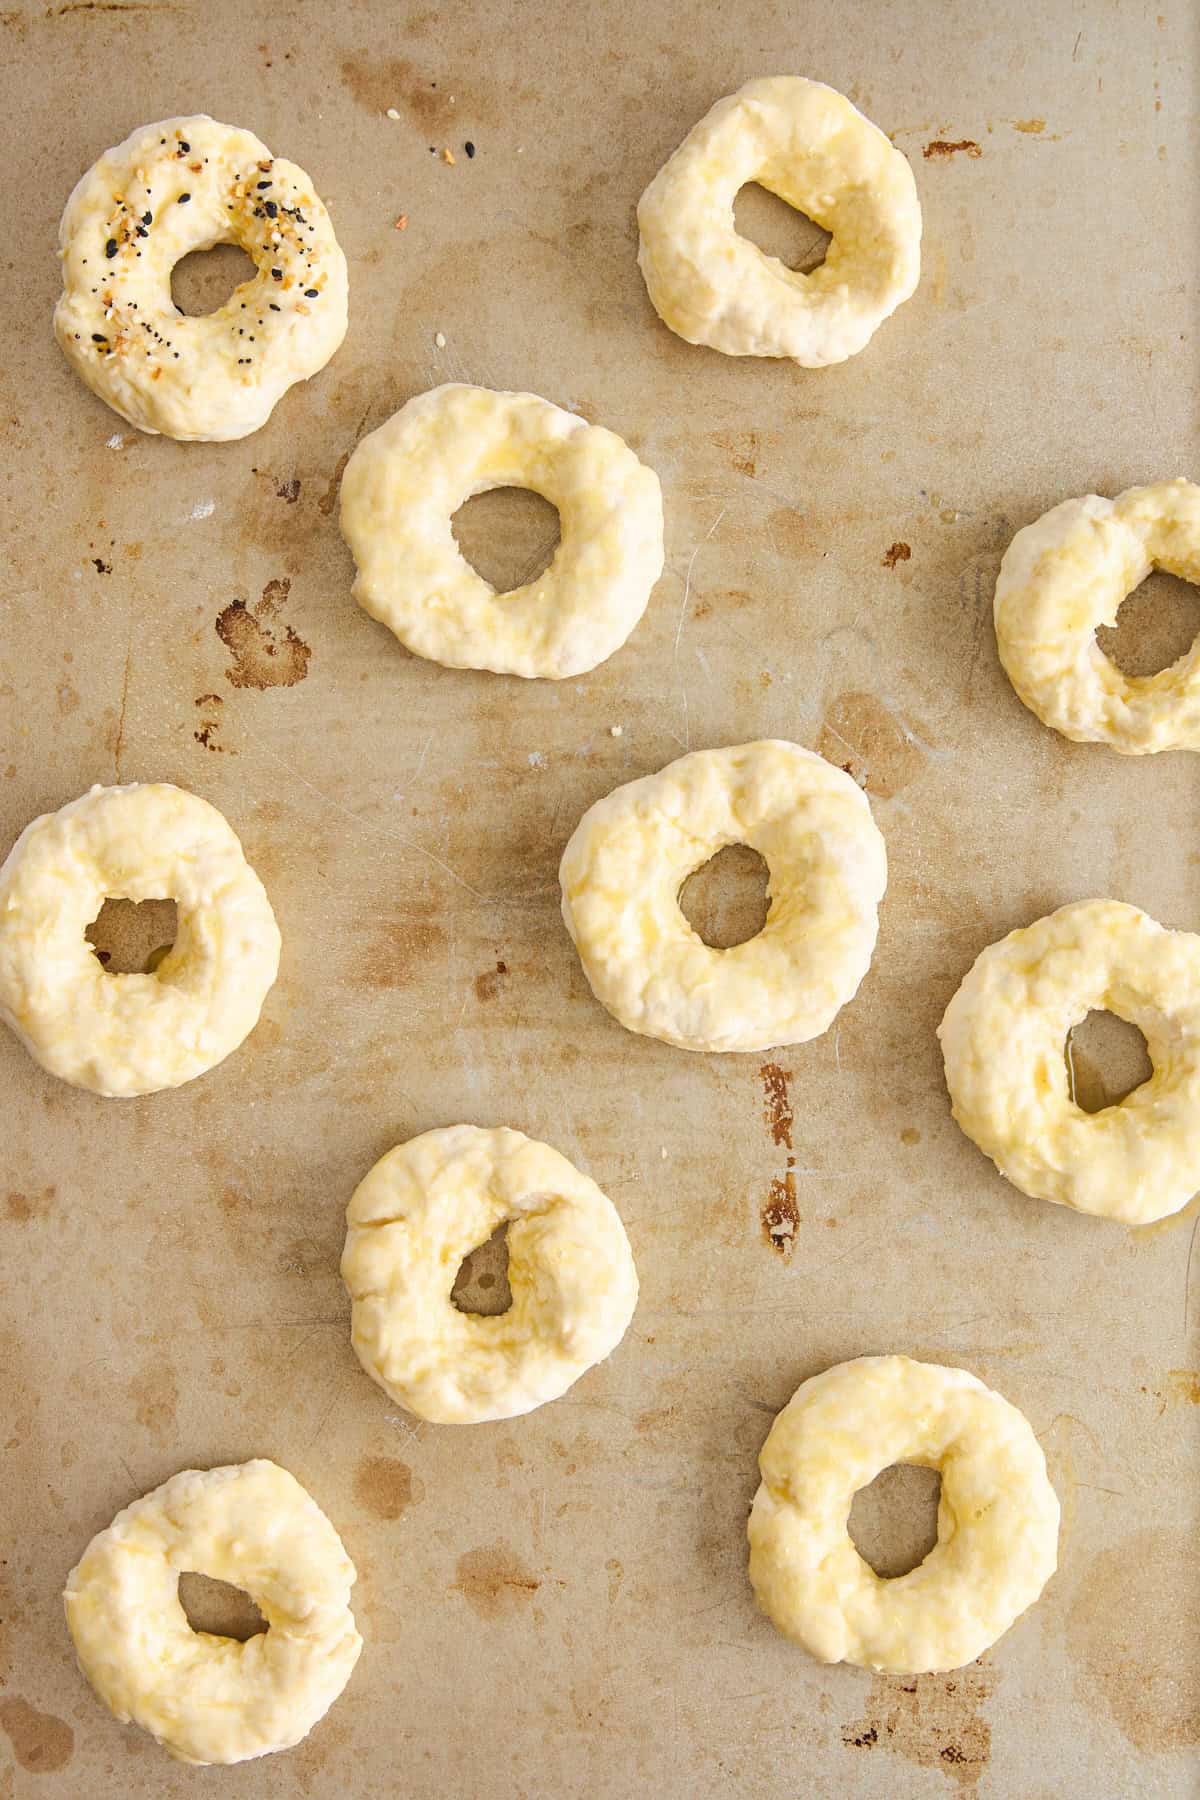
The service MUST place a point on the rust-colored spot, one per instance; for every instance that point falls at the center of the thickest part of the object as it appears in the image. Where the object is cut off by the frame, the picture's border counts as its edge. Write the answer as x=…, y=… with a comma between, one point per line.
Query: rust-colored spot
x=386, y=1487
x=23, y=1207
x=910, y=1135
x=864, y=737
x=493, y=1581
x=488, y=985
x=289, y=490
x=1030, y=125
x=898, y=552
x=941, y=150
x=935, y=1721
x=777, y=1105
x=41, y=1742
x=264, y=655
x=781, y=1215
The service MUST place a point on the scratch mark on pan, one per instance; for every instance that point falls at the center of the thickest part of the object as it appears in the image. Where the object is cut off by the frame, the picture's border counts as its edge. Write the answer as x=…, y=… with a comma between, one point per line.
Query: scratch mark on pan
x=369, y=825
x=119, y=741
x=325, y=1416
x=1187, y=1279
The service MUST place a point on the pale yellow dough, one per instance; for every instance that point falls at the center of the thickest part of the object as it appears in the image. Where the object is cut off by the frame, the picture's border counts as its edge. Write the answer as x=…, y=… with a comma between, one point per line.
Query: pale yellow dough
x=405, y=482
x=1068, y=573
x=214, y=1699
x=133, y=1034
x=997, y=1517
x=411, y=1222
x=808, y=144
x=632, y=851
x=170, y=188
x=1003, y=1040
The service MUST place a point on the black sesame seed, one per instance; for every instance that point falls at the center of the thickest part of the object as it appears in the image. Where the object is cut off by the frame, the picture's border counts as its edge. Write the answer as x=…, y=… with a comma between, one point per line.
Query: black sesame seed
x=272, y=211
x=147, y=218
x=183, y=148
x=98, y=337
x=110, y=249
x=312, y=293
x=142, y=232
x=184, y=198
x=277, y=274
x=469, y=148
x=273, y=306
x=260, y=185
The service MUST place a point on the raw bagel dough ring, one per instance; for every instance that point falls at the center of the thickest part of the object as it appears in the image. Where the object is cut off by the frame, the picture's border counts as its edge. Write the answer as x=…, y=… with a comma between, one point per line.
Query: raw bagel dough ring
x=630, y=854
x=406, y=480
x=210, y=1699
x=1069, y=572
x=998, y=1516
x=805, y=142
x=420, y=1211
x=171, y=188
x=133, y=1034
x=1003, y=1038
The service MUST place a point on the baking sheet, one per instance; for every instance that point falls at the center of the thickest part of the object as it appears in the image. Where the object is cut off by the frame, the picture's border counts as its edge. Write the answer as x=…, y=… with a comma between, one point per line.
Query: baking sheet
x=558, y=1605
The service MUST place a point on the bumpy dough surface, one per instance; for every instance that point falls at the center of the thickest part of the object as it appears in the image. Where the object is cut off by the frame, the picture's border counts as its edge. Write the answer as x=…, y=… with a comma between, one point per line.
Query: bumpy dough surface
x=405, y=482
x=1068, y=573
x=805, y=142
x=1003, y=1038
x=632, y=851
x=174, y=187
x=213, y=1699
x=997, y=1517
x=411, y=1222
x=133, y=1034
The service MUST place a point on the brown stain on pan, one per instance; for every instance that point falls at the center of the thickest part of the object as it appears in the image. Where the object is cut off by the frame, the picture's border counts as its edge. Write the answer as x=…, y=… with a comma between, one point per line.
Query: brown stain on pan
x=942, y=149
x=436, y=106
x=265, y=654
x=780, y=1216
x=386, y=1487
x=155, y=1394
x=41, y=1742
x=1132, y=1633
x=935, y=1721
x=897, y=553
x=488, y=985
x=777, y=1104
x=23, y=1207
x=866, y=739
x=493, y=1581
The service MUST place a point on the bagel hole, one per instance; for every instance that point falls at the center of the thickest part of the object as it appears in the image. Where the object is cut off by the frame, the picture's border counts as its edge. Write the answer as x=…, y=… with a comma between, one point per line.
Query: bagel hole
x=203, y=281
x=1107, y=1059
x=131, y=937
x=893, y=1520
x=725, y=902
x=481, y=1285
x=780, y=230
x=508, y=535
x=218, y=1608
x=1156, y=625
